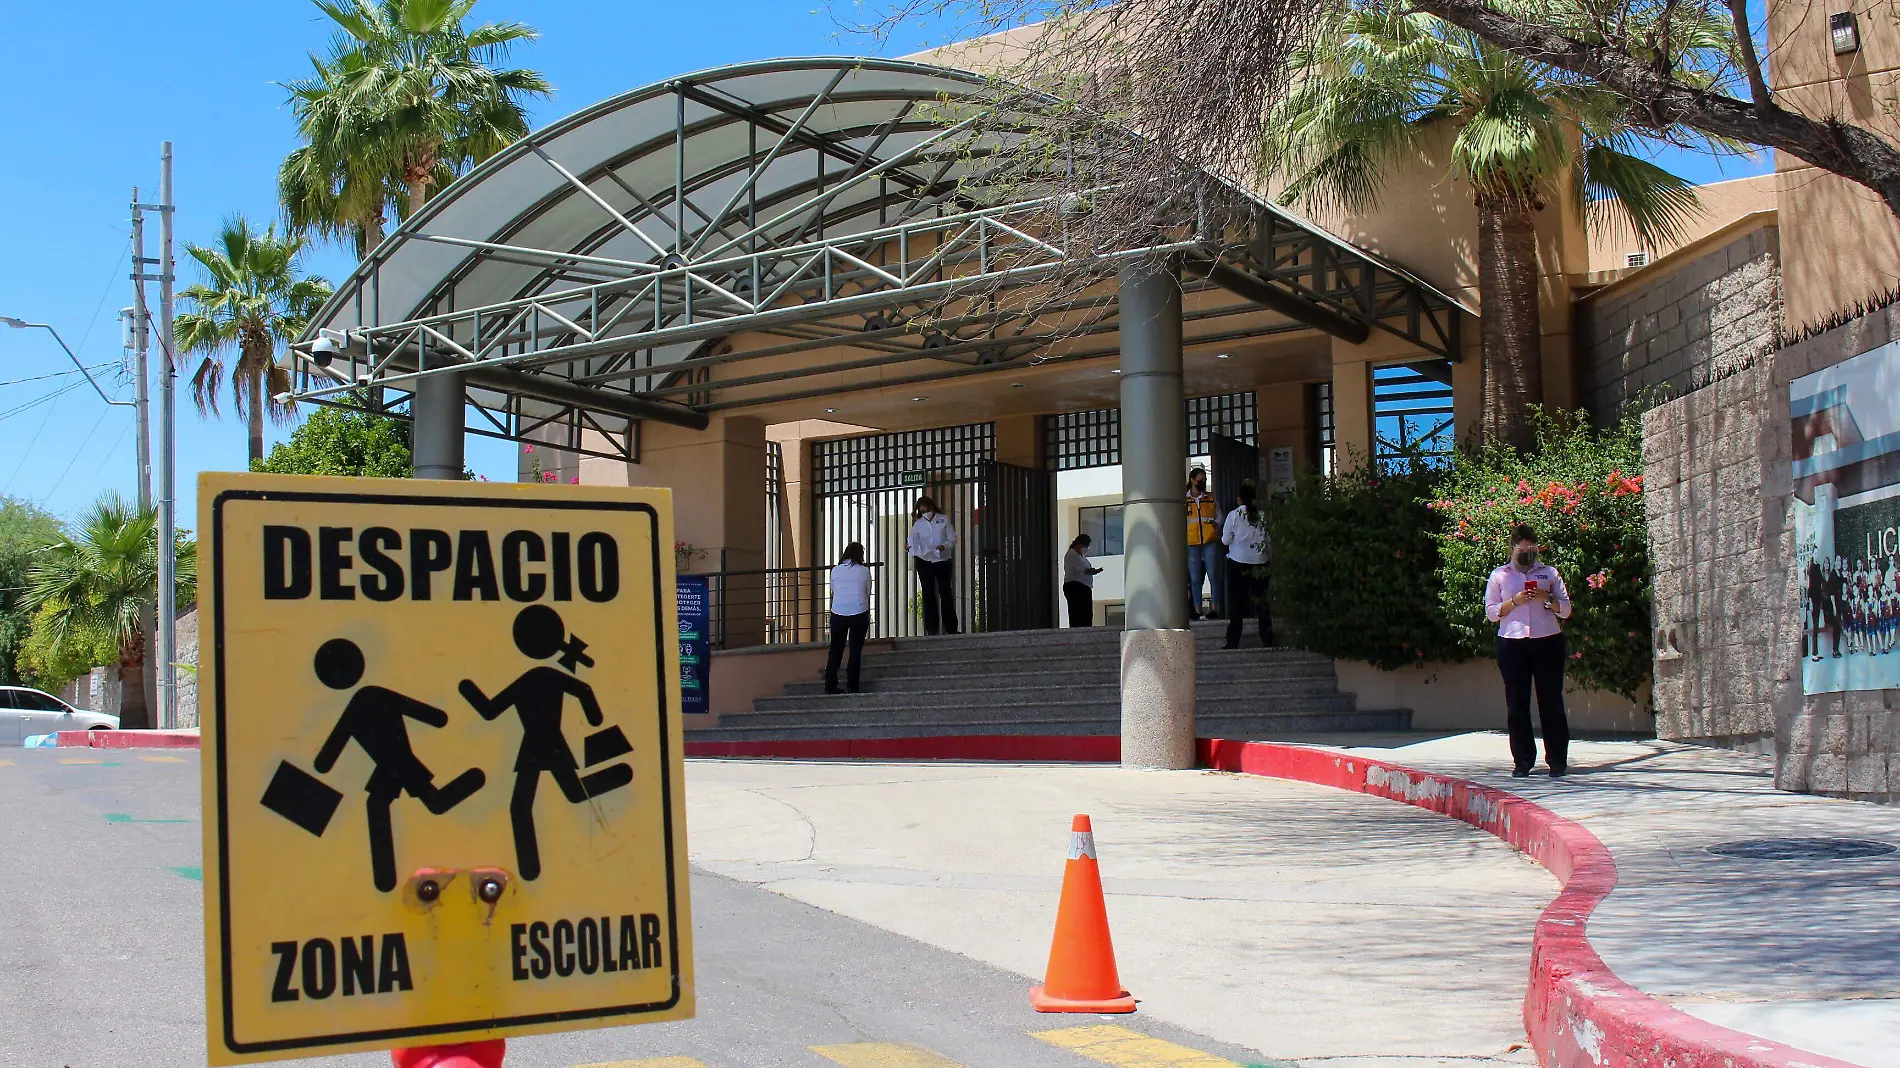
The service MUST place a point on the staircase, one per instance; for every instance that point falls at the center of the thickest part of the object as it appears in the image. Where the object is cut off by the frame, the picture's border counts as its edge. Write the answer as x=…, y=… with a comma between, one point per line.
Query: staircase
x=1054, y=682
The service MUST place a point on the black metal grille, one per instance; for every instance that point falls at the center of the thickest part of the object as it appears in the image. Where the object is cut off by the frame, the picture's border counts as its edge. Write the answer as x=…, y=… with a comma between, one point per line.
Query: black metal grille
x=774, y=505
x=1077, y=440
x=1412, y=413
x=1323, y=442
x=910, y=459
x=864, y=490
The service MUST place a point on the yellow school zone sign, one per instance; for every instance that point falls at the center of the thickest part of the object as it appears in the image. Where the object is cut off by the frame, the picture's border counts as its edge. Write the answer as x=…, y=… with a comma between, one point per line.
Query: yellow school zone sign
x=443, y=787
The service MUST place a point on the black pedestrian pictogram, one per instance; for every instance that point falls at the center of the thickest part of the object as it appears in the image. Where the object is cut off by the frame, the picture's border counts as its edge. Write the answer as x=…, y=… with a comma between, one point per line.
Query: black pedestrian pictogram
x=373, y=719
x=538, y=695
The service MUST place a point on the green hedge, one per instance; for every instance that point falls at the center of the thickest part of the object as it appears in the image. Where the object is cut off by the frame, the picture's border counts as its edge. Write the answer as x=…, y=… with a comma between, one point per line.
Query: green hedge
x=1355, y=567
x=1389, y=567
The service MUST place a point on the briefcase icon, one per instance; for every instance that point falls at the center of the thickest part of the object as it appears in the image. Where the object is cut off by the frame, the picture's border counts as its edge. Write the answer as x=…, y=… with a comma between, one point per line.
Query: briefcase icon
x=302, y=798
x=604, y=745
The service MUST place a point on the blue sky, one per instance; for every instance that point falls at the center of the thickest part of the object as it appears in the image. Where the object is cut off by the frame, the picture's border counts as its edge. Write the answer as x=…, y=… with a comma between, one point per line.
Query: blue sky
x=90, y=107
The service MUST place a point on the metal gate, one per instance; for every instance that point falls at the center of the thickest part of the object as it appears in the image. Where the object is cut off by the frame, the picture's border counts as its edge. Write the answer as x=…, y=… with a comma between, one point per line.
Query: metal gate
x=1016, y=542
x=1234, y=463
x=864, y=489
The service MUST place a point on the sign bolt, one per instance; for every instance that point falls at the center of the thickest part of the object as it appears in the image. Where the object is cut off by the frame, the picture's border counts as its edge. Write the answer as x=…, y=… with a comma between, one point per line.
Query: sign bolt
x=428, y=890
x=489, y=891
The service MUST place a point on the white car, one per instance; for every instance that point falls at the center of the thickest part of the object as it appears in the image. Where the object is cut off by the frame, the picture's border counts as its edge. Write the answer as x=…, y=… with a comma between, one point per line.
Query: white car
x=25, y=712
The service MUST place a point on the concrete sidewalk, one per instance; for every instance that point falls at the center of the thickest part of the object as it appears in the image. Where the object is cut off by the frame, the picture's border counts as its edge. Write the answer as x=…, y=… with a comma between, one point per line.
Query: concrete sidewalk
x=1801, y=951
x=1306, y=923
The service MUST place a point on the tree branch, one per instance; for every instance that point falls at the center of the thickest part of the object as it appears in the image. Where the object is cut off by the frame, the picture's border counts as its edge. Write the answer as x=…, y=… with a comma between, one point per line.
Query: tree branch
x=1751, y=62
x=1853, y=152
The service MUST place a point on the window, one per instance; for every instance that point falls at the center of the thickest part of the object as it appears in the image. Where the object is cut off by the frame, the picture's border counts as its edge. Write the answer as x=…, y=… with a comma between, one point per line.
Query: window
x=1411, y=413
x=33, y=701
x=1322, y=400
x=1636, y=259
x=1103, y=525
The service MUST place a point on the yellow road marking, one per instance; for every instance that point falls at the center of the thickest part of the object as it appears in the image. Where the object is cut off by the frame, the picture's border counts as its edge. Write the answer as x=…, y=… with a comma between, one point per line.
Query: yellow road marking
x=162, y=760
x=80, y=760
x=6, y=763
x=657, y=1062
x=883, y=1055
x=1122, y=1048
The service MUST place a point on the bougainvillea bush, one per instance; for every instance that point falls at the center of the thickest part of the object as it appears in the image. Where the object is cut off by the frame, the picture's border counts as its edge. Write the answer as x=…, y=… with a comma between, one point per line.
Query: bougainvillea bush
x=1355, y=566
x=1581, y=490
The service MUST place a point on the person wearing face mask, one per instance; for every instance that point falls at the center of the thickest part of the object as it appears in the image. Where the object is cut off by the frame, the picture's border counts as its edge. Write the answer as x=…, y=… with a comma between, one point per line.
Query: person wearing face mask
x=933, y=544
x=1527, y=600
x=1203, y=542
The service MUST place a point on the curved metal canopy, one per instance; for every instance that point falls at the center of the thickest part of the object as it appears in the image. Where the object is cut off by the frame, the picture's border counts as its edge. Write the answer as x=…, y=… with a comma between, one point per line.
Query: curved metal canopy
x=593, y=274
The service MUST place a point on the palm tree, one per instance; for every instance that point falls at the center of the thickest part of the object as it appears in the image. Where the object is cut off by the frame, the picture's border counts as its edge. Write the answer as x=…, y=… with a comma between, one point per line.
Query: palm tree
x=1375, y=84
x=254, y=297
x=406, y=99
x=101, y=578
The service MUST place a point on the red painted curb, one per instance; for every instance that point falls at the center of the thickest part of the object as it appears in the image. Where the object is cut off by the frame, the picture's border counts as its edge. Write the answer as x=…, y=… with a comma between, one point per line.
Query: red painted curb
x=128, y=739
x=1577, y=1013
x=1087, y=748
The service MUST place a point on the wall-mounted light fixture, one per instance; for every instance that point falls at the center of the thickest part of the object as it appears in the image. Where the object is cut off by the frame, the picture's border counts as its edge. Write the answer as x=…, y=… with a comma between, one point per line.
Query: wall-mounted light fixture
x=1846, y=35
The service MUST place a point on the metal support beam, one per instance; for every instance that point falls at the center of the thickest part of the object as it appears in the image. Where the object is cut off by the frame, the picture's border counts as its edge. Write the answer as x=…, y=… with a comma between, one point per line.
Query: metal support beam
x=1157, y=669
x=1242, y=284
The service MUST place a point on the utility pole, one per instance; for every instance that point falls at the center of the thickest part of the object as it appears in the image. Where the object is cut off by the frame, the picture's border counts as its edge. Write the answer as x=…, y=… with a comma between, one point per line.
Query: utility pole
x=167, y=711
x=138, y=341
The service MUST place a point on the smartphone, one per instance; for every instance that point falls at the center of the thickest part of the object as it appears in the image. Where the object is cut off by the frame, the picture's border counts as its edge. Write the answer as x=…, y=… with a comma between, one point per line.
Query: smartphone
x=1530, y=586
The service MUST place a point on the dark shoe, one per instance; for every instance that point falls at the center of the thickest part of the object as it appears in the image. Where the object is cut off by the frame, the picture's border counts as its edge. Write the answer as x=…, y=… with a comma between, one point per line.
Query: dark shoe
x=1231, y=645
x=1558, y=773
x=832, y=691
x=1520, y=773
x=856, y=689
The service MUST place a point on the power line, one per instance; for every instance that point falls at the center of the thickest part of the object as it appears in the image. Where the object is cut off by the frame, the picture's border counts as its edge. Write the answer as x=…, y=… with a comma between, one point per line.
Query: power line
x=36, y=402
x=57, y=374
x=31, y=444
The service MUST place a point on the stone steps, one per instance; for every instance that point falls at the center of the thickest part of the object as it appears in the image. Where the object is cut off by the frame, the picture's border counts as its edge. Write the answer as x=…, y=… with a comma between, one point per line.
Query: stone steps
x=1054, y=682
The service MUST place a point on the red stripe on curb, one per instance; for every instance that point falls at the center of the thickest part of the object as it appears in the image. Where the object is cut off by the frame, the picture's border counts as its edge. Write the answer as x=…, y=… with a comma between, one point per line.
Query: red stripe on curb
x=1577, y=1013
x=128, y=739
x=1089, y=748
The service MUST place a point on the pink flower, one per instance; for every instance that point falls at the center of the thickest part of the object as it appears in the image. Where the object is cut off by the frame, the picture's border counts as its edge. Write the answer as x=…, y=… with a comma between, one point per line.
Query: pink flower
x=527, y=448
x=1599, y=580
x=575, y=481
x=1523, y=485
x=547, y=476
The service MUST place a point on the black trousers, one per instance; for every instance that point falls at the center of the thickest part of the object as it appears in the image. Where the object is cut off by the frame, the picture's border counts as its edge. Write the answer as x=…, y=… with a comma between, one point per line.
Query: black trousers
x=1247, y=592
x=846, y=632
x=1527, y=664
x=1081, y=604
x=937, y=583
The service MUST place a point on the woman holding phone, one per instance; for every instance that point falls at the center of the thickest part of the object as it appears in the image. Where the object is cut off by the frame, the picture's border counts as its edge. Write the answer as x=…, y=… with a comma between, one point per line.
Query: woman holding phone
x=933, y=545
x=1527, y=600
x=850, y=616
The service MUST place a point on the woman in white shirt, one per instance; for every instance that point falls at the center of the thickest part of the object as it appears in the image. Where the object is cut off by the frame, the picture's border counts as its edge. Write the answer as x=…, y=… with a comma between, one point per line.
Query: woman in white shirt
x=1248, y=549
x=933, y=544
x=850, y=615
x=1078, y=582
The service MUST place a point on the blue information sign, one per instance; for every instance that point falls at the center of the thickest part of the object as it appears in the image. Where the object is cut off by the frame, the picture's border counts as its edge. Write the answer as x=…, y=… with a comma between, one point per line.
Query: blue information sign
x=695, y=643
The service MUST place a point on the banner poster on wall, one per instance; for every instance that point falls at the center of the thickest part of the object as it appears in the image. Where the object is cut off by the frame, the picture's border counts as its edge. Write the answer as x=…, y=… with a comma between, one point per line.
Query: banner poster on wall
x=1846, y=425
x=695, y=615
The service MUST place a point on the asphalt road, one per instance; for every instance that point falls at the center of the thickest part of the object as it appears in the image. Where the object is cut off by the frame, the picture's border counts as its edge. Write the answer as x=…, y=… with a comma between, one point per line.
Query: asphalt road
x=101, y=967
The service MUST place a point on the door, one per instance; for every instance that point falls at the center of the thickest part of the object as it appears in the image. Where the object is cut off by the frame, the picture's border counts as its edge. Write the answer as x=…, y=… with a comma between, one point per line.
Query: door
x=1234, y=463
x=1016, y=547
x=43, y=713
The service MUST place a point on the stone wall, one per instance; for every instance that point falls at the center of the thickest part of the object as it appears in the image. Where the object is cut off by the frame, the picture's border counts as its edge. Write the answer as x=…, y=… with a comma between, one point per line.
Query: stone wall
x=1728, y=635
x=1691, y=318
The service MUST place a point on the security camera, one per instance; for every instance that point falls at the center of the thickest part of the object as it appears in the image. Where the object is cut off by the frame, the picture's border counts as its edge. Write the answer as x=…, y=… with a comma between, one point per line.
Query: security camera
x=323, y=350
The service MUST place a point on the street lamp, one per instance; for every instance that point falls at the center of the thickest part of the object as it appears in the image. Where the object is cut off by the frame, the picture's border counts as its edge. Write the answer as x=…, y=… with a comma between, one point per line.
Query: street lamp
x=22, y=324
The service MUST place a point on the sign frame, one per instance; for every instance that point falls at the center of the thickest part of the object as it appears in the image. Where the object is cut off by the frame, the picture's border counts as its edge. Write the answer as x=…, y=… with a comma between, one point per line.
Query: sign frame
x=216, y=771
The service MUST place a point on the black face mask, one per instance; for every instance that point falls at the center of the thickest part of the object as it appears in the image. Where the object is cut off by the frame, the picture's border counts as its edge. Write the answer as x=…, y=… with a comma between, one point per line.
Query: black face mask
x=1528, y=558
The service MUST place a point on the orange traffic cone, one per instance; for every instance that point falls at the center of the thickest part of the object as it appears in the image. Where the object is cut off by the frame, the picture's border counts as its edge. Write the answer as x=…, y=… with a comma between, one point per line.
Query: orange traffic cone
x=1081, y=975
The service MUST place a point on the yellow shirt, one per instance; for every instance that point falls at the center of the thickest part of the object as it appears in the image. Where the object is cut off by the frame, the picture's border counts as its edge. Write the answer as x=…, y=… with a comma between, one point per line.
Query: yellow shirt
x=1201, y=527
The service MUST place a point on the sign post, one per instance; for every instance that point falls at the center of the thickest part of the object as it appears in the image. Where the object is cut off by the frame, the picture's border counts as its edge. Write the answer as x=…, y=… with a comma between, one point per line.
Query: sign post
x=442, y=778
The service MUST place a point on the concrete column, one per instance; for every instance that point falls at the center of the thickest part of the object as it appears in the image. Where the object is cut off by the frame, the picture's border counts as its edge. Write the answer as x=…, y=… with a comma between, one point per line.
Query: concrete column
x=436, y=435
x=1157, y=670
x=717, y=476
x=1352, y=406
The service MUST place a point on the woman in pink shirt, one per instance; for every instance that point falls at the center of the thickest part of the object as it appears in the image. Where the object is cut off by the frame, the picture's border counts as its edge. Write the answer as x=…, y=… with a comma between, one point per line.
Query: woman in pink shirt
x=1527, y=600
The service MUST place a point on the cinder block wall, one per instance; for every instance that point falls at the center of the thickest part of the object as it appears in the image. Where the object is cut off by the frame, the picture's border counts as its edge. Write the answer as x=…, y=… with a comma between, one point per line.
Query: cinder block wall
x=1709, y=309
x=1720, y=497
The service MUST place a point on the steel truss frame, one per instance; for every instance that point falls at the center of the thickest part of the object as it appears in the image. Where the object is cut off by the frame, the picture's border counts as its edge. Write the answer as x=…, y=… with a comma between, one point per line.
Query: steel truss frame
x=894, y=236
